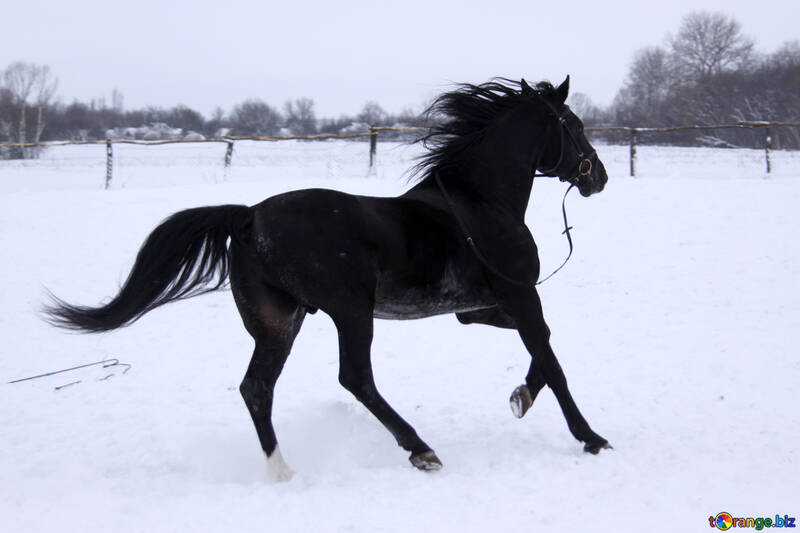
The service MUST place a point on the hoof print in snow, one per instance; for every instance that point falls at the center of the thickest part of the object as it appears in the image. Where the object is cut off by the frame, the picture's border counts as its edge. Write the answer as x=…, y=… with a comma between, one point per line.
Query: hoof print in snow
x=520, y=401
x=426, y=461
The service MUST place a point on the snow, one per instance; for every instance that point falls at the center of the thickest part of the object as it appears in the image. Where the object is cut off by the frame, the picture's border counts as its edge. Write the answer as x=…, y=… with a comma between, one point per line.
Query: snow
x=677, y=323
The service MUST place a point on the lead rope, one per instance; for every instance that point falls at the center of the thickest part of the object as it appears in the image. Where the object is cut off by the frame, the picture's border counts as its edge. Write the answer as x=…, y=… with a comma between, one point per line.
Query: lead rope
x=480, y=256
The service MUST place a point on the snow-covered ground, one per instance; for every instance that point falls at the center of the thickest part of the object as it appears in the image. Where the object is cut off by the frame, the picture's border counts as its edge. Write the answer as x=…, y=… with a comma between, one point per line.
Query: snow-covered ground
x=677, y=323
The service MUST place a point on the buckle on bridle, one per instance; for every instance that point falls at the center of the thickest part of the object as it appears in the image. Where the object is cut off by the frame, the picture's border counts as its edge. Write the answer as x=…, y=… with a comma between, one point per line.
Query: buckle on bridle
x=585, y=167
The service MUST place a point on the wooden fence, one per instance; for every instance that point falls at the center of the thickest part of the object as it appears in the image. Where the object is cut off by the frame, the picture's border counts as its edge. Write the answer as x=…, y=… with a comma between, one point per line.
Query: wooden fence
x=374, y=132
x=633, y=134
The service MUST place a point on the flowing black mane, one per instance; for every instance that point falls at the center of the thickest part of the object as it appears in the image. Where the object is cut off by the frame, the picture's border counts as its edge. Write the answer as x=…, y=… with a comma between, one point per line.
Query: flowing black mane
x=460, y=118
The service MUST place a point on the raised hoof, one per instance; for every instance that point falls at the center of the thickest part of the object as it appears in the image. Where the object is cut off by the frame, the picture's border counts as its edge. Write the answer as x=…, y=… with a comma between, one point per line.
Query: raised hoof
x=595, y=446
x=426, y=461
x=520, y=401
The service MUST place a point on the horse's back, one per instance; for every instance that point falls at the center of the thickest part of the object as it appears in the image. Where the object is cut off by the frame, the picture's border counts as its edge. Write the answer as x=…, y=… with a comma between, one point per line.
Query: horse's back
x=330, y=248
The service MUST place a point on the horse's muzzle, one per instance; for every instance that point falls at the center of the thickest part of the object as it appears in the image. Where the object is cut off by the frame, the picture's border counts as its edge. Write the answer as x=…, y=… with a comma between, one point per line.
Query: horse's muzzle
x=591, y=177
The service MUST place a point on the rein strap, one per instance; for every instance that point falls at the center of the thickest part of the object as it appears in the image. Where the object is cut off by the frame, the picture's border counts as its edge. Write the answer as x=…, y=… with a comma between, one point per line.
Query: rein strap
x=482, y=258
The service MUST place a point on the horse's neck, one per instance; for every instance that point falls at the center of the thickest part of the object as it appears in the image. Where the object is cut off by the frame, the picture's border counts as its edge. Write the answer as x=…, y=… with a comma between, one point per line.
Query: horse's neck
x=487, y=192
x=506, y=189
x=502, y=177
x=505, y=162
x=497, y=175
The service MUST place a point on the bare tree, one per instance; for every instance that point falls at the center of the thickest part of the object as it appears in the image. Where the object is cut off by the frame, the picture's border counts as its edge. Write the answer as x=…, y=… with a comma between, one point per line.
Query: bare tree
x=787, y=56
x=372, y=114
x=45, y=89
x=7, y=112
x=710, y=43
x=583, y=106
x=185, y=118
x=7, y=109
x=300, y=117
x=19, y=83
x=651, y=76
x=29, y=85
x=214, y=126
x=651, y=79
x=117, y=100
x=255, y=117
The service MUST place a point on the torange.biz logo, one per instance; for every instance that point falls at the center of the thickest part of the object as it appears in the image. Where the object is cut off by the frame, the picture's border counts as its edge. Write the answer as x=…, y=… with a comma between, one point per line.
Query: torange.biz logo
x=726, y=521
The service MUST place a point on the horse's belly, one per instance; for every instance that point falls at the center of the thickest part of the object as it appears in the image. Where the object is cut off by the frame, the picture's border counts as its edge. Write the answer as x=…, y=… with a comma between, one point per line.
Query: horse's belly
x=405, y=311
x=417, y=303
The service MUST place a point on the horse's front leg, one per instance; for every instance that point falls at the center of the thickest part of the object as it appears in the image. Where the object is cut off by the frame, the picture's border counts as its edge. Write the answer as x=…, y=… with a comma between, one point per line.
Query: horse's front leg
x=523, y=396
x=525, y=307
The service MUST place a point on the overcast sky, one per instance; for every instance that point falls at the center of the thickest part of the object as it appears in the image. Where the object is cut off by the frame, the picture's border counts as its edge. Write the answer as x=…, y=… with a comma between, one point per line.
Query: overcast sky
x=343, y=53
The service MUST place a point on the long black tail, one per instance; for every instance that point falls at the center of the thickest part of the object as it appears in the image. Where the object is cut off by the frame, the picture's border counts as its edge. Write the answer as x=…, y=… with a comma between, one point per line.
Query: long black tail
x=186, y=255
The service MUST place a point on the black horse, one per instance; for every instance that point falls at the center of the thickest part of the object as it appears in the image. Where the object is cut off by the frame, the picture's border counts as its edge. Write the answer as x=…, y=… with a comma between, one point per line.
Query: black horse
x=456, y=242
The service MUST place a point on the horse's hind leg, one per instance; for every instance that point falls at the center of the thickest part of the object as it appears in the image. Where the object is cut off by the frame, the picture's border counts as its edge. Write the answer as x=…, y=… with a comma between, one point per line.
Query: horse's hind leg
x=355, y=374
x=273, y=319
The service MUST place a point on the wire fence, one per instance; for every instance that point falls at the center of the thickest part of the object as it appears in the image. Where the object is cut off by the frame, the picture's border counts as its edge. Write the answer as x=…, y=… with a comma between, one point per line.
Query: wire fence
x=633, y=134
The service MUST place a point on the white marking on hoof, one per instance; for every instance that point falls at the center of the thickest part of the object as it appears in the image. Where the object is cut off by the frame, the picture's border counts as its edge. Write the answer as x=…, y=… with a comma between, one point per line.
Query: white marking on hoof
x=516, y=408
x=277, y=469
x=520, y=401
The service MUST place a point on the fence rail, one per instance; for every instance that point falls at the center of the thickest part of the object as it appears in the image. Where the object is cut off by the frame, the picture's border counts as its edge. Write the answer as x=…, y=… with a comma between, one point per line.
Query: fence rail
x=374, y=131
x=633, y=133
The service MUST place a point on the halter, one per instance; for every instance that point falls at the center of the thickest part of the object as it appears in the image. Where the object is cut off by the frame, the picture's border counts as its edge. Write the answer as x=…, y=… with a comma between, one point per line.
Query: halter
x=584, y=160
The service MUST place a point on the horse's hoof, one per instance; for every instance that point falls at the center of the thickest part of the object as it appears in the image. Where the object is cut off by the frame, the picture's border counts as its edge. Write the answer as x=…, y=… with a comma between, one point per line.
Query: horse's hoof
x=594, y=447
x=520, y=401
x=277, y=469
x=426, y=461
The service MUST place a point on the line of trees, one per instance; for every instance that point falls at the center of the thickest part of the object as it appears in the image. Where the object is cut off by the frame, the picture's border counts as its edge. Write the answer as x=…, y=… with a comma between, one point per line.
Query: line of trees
x=708, y=73
x=29, y=113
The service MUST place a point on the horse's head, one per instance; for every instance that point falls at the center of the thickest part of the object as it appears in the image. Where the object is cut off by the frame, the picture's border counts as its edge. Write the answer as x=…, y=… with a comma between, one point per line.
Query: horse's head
x=566, y=153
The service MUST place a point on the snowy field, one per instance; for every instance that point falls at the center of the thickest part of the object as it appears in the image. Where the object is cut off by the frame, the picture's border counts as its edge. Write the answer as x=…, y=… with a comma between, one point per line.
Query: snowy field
x=677, y=323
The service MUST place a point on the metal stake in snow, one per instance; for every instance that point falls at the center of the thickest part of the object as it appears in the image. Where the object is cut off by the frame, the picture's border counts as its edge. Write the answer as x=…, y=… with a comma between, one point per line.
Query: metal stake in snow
x=109, y=164
x=105, y=362
x=228, y=154
x=767, y=146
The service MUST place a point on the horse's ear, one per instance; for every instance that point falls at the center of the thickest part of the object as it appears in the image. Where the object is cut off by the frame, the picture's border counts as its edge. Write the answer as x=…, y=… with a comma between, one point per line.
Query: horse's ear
x=563, y=90
x=526, y=89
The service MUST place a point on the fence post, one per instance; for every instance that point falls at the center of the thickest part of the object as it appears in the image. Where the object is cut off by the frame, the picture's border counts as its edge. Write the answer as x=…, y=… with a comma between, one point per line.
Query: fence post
x=767, y=145
x=228, y=154
x=373, y=145
x=109, y=164
x=633, y=152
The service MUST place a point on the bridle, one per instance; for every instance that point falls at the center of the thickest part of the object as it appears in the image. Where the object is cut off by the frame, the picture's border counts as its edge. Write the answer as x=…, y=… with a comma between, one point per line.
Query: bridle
x=584, y=169
x=476, y=251
x=584, y=160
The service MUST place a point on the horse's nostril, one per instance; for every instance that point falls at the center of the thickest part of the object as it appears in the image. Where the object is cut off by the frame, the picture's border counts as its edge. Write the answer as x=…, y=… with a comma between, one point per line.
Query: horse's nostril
x=599, y=182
